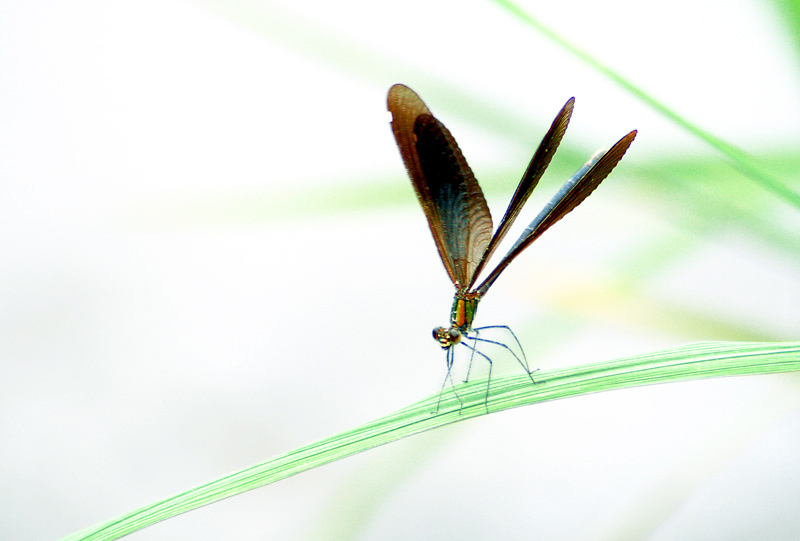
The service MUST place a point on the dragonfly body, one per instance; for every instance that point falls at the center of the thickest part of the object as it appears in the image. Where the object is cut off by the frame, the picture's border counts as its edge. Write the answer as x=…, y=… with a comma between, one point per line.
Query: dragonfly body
x=459, y=217
x=461, y=316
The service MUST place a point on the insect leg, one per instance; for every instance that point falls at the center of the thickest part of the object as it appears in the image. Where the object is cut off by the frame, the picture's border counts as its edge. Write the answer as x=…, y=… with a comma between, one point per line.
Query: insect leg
x=489, y=378
x=472, y=355
x=450, y=357
x=523, y=361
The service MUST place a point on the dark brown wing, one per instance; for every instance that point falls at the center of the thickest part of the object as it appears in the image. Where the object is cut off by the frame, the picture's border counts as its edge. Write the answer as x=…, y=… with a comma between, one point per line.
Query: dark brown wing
x=454, y=205
x=539, y=162
x=574, y=191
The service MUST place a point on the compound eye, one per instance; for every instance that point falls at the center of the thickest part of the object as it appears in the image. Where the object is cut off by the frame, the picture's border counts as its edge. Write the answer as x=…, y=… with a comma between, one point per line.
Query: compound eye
x=446, y=337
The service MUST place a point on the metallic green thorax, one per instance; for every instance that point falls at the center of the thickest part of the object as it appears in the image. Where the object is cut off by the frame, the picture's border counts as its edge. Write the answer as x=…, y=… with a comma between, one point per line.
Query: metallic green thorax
x=461, y=316
x=463, y=311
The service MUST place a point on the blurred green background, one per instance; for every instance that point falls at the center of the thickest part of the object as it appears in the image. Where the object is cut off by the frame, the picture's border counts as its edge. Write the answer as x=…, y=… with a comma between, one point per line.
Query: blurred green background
x=210, y=254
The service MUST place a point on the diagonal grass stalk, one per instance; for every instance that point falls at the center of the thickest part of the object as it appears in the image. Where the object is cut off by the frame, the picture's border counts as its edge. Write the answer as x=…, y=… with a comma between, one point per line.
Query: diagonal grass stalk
x=739, y=159
x=697, y=361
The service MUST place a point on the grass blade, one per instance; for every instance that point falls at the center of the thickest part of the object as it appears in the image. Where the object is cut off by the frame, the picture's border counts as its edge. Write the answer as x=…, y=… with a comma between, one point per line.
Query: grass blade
x=739, y=159
x=703, y=360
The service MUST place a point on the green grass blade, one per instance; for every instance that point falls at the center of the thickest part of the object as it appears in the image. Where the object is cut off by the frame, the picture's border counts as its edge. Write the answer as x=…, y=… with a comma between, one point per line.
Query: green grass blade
x=790, y=11
x=697, y=361
x=740, y=159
